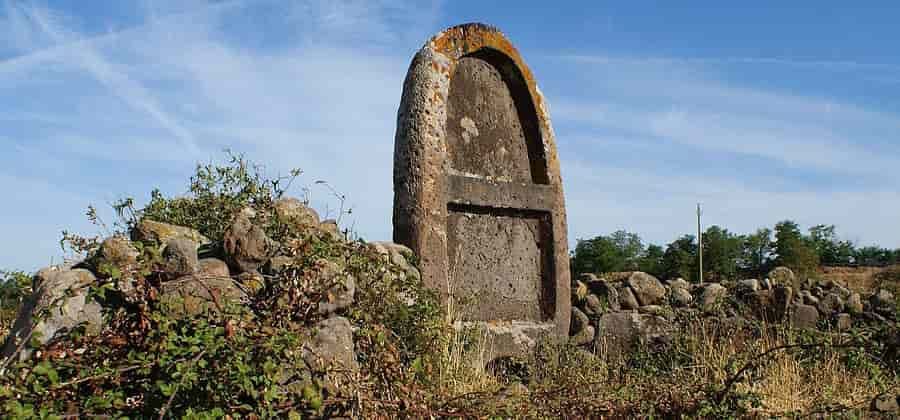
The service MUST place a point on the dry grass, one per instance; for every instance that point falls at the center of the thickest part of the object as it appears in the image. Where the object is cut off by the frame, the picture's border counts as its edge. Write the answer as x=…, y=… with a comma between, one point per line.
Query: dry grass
x=858, y=279
x=683, y=378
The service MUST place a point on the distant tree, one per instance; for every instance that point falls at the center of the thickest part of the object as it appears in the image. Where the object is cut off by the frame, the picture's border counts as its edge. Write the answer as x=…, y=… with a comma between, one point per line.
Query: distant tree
x=619, y=251
x=680, y=259
x=721, y=254
x=757, y=253
x=792, y=250
x=830, y=249
x=652, y=260
x=876, y=256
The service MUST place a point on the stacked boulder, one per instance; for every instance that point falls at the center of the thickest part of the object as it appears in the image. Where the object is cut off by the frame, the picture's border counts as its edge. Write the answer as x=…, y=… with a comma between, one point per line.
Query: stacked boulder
x=195, y=277
x=617, y=311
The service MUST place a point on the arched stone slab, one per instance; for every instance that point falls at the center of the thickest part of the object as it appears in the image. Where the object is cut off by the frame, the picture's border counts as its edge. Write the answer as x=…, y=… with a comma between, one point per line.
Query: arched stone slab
x=477, y=188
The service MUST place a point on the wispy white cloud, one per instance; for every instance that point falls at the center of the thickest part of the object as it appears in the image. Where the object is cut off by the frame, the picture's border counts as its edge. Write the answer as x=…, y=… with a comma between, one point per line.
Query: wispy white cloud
x=118, y=82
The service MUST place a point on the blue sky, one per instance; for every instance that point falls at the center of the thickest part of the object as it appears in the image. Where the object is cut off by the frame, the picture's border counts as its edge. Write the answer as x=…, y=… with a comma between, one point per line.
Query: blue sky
x=762, y=112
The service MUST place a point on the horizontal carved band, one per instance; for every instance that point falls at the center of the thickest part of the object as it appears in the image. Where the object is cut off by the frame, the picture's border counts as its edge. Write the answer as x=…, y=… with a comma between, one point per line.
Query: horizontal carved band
x=485, y=193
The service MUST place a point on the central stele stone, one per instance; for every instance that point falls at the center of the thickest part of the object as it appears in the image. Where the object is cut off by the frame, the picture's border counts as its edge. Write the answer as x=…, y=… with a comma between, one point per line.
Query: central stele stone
x=478, y=194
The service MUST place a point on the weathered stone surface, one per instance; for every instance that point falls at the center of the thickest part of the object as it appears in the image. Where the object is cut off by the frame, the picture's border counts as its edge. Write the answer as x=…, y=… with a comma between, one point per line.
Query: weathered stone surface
x=331, y=347
x=585, y=336
x=807, y=298
x=679, y=283
x=619, y=331
x=246, y=245
x=579, y=322
x=782, y=300
x=843, y=322
x=830, y=304
x=52, y=285
x=626, y=298
x=478, y=194
x=295, y=212
x=647, y=289
x=118, y=251
x=196, y=295
x=680, y=297
x=748, y=286
x=277, y=264
x=783, y=276
x=887, y=403
x=251, y=281
x=854, y=304
x=212, y=267
x=711, y=297
x=605, y=291
x=180, y=257
x=330, y=227
x=149, y=230
x=804, y=316
x=882, y=301
x=594, y=306
x=341, y=287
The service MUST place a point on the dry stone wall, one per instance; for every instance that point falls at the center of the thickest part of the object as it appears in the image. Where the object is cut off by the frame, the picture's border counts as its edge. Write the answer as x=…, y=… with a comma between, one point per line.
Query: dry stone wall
x=617, y=311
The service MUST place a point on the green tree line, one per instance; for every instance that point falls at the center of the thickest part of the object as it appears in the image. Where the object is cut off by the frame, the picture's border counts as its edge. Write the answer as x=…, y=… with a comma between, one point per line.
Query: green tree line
x=727, y=255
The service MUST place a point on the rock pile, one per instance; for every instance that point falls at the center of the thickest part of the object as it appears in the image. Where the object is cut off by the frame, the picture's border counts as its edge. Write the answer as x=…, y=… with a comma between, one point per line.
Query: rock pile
x=197, y=277
x=614, y=314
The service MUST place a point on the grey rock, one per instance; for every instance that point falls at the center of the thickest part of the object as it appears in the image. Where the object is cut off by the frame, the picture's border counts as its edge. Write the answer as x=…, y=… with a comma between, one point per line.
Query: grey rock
x=296, y=213
x=887, y=403
x=246, y=245
x=804, y=316
x=657, y=310
x=647, y=289
x=331, y=346
x=807, y=298
x=195, y=295
x=843, y=322
x=580, y=321
x=593, y=305
x=626, y=298
x=277, y=264
x=711, y=297
x=64, y=294
x=149, y=230
x=818, y=292
x=180, y=257
x=341, y=287
x=212, y=267
x=119, y=251
x=854, y=304
x=782, y=300
x=585, y=336
x=619, y=331
x=680, y=297
x=882, y=302
x=830, y=304
x=782, y=276
x=605, y=291
x=679, y=283
x=331, y=229
x=748, y=286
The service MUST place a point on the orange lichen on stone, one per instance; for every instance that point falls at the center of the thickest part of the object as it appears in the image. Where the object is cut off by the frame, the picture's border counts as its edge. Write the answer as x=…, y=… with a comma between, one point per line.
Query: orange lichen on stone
x=468, y=38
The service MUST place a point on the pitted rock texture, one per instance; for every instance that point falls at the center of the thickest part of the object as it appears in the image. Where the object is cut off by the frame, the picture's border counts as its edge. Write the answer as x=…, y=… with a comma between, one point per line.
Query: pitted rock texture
x=152, y=231
x=478, y=195
x=821, y=305
x=63, y=293
x=246, y=245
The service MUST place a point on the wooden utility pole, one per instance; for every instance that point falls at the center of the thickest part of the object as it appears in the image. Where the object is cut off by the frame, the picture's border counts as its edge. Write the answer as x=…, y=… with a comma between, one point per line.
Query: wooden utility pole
x=700, y=240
